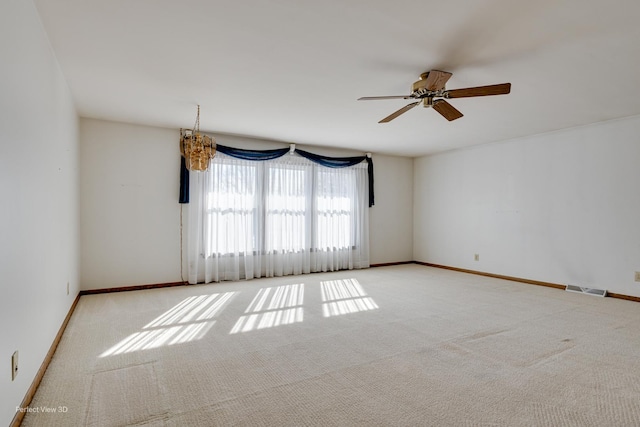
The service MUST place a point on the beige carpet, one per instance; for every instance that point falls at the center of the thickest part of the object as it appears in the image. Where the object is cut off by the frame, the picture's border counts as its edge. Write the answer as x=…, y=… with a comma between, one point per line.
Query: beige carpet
x=393, y=346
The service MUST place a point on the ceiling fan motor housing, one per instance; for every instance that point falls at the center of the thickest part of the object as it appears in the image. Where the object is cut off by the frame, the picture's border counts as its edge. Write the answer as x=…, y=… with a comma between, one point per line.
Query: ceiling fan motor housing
x=420, y=87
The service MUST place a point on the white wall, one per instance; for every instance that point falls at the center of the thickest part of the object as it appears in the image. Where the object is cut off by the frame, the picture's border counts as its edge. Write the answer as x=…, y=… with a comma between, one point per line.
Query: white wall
x=391, y=218
x=562, y=207
x=130, y=216
x=39, y=207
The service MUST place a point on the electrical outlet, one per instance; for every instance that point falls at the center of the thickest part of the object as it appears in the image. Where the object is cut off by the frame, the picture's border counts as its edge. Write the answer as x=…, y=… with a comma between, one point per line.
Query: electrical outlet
x=14, y=365
x=637, y=276
x=476, y=257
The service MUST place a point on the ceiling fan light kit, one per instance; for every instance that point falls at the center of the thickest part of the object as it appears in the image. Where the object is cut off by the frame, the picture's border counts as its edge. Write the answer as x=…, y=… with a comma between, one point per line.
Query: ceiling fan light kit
x=197, y=149
x=430, y=91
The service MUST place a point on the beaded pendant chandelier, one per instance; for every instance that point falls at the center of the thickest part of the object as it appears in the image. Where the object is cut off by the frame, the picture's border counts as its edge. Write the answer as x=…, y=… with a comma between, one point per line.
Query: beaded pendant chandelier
x=197, y=149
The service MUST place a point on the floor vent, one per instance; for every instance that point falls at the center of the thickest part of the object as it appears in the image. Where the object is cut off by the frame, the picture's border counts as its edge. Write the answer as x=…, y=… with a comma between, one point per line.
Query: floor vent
x=588, y=291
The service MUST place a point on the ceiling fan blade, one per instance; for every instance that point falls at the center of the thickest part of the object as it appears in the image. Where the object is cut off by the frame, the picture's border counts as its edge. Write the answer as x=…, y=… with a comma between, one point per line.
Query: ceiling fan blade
x=373, y=98
x=447, y=110
x=437, y=79
x=501, y=89
x=400, y=111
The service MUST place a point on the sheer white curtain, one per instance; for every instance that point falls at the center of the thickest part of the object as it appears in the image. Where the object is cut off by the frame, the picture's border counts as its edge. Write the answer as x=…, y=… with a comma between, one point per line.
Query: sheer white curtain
x=250, y=219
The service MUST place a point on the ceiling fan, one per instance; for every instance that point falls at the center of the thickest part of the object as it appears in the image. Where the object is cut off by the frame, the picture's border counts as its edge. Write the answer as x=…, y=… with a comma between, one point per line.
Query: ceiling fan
x=430, y=91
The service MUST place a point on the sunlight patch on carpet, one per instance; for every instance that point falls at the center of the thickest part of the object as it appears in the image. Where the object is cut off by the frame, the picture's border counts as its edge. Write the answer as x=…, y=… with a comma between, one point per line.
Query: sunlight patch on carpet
x=344, y=296
x=271, y=307
x=189, y=320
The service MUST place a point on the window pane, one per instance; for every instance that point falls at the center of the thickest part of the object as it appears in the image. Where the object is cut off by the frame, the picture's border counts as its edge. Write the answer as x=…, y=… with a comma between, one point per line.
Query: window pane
x=231, y=209
x=286, y=208
x=335, y=189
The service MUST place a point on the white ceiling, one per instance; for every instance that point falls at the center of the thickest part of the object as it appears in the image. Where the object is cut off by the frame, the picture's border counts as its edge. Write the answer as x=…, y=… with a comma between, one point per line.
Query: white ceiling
x=291, y=70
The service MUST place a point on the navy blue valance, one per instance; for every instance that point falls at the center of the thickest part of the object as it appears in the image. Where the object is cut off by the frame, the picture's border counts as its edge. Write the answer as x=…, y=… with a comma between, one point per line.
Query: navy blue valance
x=184, y=181
x=370, y=170
x=259, y=155
x=262, y=155
x=331, y=162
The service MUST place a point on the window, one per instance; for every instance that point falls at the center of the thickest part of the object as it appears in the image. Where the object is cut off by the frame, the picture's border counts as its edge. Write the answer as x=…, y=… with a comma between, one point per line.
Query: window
x=287, y=208
x=284, y=216
x=230, y=213
x=334, y=209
